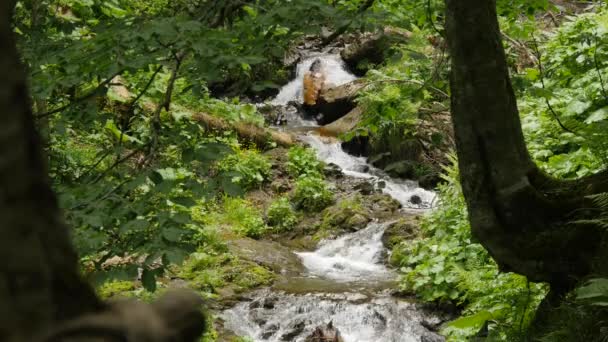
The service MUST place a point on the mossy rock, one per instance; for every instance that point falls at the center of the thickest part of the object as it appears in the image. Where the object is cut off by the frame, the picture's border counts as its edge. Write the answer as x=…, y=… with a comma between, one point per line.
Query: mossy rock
x=401, y=230
x=347, y=215
x=382, y=206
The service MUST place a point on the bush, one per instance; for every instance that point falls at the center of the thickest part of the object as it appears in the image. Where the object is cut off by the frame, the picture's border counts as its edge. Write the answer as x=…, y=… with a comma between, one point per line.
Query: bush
x=312, y=194
x=240, y=216
x=248, y=168
x=280, y=215
x=447, y=266
x=303, y=161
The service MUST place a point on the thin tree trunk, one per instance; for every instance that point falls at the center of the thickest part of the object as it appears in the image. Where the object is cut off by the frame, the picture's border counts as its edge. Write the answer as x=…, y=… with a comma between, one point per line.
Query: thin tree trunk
x=523, y=217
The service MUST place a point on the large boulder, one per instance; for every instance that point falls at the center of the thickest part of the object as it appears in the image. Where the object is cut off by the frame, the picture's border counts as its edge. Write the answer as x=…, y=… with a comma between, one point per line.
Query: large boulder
x=269, y=254
x=371, y=48
x=335, y=102
x=343, y=125
x=404, y=229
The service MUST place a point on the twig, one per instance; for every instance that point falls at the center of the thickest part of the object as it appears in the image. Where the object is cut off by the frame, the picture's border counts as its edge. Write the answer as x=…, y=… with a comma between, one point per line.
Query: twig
x=542, y=82
x=422, y=84
x=166, y=104
x=79, y=99
x=597, y=68
x=430, y=18
x=116, y=163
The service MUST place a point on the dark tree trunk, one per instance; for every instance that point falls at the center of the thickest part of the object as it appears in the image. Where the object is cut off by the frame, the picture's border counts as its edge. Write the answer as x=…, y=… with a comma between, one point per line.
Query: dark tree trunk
x=523, y=217
x=39, y=283
x=42, y=296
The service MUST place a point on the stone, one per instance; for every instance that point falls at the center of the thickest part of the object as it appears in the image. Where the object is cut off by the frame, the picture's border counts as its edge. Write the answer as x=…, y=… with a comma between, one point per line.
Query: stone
x=270, y=331
x=269, y=254
x=365, y=188
x=371, y=48
x=333, y=170
x=401, y=169
x=295, y=331
x=335, y=102
x=326, y=333
x=344, y=124
x=430, y=180
x=403, y=229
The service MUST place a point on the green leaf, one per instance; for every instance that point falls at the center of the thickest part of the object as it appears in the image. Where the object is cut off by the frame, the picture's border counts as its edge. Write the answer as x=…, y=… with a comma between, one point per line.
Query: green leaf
x=598, y=115
x=474, y=321
x=148, y=280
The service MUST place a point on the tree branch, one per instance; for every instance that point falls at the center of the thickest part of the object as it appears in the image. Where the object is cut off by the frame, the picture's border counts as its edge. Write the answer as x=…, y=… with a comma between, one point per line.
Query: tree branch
x=80, y=99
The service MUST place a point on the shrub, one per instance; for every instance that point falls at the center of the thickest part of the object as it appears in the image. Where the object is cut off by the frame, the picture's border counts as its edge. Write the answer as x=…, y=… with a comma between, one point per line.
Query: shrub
x=248, y=168
x=312, y=194
x=303, y=161
x=240, y=216
x=280, y=215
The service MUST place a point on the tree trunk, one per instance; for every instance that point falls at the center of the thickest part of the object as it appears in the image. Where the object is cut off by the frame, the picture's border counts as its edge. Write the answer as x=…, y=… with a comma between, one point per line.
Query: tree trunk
x=523, y=217
x=39, y=279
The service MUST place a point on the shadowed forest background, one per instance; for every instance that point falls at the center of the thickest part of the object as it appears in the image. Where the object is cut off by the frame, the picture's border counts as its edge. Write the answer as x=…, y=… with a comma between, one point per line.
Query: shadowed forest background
x=304, y=170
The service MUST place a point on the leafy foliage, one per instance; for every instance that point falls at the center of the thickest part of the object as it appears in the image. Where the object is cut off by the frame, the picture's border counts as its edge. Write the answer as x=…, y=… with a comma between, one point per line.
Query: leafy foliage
x=303, y=162
x=312, y=194
x=248, y=168
x=446, y=265
x=280, y=215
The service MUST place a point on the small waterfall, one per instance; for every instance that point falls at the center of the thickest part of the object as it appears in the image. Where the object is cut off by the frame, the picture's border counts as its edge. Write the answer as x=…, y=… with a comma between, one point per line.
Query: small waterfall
x=346, y=279
x=277, y=316
x=401, y=190
x=352, y=257
x=333, y=69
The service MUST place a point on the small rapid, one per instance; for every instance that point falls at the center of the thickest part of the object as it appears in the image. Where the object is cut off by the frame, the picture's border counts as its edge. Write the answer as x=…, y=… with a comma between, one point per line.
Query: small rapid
x=346, y=282
x=407, y=192
x=351, y=257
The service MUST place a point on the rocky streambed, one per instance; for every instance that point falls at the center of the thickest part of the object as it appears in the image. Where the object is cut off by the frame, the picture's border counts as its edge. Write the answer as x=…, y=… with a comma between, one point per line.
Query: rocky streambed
x=342, y=289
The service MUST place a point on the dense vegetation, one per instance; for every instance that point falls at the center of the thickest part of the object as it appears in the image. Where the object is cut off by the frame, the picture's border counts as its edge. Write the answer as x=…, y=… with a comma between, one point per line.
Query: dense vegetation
x=127, y=96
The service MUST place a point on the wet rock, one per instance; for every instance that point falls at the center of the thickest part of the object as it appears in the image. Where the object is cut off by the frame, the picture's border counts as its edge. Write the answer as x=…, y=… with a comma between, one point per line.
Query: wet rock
x=382, y=205
x=357, y=221
x=379, y=318
x=326, y=333
x=346, y=215
x=334, y=103
x=365, y=188
x=270, y=331
x=404, y=229
x=333, y=170
x=401, y=169
x=432, y=337
x=371, y=48
x=357, y=146
x=344, y=124
x=429, y=181
x=269, y=302
x=269, y=254
x=415, y=199
x=294, y=332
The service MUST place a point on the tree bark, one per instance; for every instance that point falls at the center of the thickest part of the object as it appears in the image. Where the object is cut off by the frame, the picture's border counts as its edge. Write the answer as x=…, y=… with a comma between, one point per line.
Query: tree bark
x=39, y=278
x=42, y=296
x=524, y=218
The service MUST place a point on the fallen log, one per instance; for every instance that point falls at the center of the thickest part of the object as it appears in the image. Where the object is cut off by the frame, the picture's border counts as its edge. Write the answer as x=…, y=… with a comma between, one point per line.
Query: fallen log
x=260, y=136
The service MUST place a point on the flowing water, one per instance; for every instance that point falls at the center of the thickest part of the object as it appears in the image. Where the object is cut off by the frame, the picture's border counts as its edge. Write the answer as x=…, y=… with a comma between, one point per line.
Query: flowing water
x=346, y=281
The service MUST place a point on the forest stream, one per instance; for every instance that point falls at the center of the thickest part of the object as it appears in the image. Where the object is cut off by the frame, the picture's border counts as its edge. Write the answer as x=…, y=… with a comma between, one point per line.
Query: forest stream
x=346, y=283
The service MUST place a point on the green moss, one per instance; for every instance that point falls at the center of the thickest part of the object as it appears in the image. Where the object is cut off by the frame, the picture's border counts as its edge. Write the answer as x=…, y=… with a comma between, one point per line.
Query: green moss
x=348, y=214
x=239, y=215
x=113, y=289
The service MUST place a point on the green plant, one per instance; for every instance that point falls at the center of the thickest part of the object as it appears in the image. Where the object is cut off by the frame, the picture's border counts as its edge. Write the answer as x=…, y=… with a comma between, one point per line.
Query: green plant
x=238, y=215
x=280, y=215
x=446, y=265
x=248, y=168
x=312, y=194
x=303, y=161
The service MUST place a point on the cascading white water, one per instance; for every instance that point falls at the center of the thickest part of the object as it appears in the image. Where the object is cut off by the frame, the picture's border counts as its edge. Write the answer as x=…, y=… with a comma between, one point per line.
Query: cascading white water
x=401, y=190
x=352, y=257
x=277, y=316
x=332, y=67
x=348, y=266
